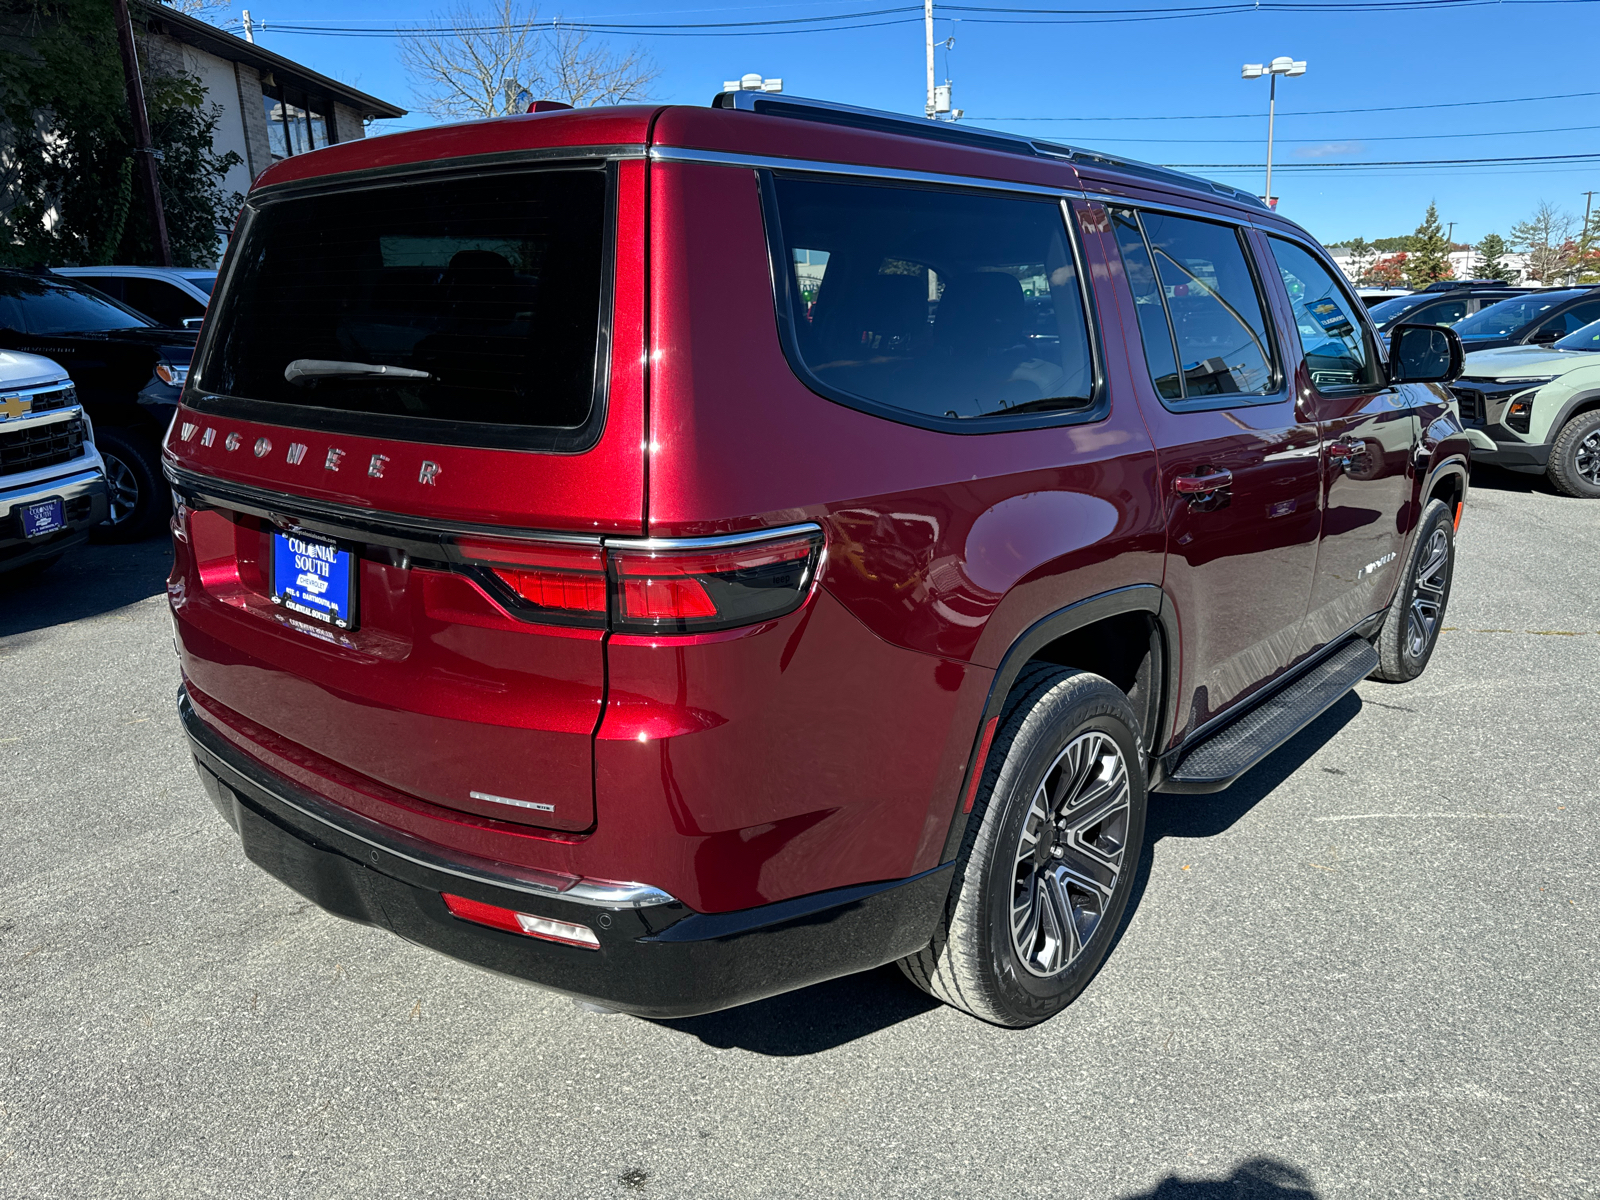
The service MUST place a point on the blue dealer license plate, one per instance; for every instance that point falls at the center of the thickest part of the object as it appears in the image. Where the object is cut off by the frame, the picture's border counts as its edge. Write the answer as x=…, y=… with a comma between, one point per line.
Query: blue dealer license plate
x=42, y=518
x=314, y=578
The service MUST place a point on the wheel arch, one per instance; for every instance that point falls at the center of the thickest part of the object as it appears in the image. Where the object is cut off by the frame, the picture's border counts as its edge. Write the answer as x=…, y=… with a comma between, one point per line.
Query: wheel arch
x=1074, y=636
x=1585, y=401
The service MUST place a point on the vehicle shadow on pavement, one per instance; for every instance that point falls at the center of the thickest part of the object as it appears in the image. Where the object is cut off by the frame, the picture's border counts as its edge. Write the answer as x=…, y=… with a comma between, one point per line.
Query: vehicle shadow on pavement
x=89, y=581
x=1207, y=816
x=1253, y=1179
x=830, y=1014
x=1495, y=479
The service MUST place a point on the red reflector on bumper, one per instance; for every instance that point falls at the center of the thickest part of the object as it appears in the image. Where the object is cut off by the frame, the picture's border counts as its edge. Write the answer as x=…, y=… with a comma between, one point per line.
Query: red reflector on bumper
x=527, y=924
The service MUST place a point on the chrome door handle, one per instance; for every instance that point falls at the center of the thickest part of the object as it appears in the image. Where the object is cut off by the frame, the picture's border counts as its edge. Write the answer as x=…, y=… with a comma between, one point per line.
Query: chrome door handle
x=1202, y=483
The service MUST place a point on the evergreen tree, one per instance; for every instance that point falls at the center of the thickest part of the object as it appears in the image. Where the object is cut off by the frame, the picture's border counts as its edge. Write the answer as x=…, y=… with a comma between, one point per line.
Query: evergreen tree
x=1429, y=260
x=1488, y=265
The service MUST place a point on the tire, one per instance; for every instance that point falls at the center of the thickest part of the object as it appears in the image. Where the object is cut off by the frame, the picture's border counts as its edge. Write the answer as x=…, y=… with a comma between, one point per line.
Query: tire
x=1065, y=744
x=138, y=504
x=1411, y=629
x=1575, y=457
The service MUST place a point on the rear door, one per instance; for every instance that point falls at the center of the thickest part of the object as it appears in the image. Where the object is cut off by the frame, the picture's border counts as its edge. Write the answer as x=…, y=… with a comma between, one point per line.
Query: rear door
x=437, y=378
x=1367, y=429
x=1239, y=471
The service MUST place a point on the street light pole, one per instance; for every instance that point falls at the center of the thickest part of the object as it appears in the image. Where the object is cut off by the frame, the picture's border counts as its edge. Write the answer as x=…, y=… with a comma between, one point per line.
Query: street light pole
x=927, y=25
x=1282, y=65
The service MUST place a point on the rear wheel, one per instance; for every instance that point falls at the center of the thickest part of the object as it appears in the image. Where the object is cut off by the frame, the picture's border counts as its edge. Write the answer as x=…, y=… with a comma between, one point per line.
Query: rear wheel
x=1575, y=457
x=1047, y=864
x=1411, y=630
x=137, y=503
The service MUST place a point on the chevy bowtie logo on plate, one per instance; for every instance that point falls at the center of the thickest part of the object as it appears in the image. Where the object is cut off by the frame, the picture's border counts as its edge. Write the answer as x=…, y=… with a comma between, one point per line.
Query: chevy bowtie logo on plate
x=14, y=406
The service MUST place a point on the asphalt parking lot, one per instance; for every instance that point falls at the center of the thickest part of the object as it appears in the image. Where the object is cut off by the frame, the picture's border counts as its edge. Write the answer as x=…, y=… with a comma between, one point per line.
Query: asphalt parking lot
x=1369, y=969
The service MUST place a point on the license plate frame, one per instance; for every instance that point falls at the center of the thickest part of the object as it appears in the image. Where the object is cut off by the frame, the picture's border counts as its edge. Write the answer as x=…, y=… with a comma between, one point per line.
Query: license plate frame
x=43, y=517
x=299, y=563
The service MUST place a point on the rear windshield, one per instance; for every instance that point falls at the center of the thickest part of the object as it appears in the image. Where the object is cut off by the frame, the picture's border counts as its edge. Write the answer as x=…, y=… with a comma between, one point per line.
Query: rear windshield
x=485, y=293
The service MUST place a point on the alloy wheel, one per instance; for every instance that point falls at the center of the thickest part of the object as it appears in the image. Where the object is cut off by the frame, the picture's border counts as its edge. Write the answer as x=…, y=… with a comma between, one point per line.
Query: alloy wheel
x=1427, y=594
x=1587, y=458
x=1070, y=854
x=122, y=486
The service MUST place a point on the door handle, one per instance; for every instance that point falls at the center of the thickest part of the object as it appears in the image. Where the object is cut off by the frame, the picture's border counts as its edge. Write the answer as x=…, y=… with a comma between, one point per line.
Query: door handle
x=1202, y=483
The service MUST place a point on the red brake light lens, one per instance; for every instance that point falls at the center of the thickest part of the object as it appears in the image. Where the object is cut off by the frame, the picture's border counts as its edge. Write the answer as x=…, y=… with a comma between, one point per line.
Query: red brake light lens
x=548, y=580
x=685, y=591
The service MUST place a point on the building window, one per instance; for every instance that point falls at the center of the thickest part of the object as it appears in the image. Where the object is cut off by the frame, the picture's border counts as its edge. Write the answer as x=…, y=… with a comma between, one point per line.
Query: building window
x=292, y=128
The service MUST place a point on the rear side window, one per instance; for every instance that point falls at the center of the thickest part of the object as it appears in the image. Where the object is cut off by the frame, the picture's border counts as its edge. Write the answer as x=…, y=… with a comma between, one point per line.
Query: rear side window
x=942, y=309
x=1337, y=351
x=485, y=292
x=1200, y=312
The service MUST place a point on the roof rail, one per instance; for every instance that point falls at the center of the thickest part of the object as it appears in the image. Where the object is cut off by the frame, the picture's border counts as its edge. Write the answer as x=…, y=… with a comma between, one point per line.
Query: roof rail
x=801, y=109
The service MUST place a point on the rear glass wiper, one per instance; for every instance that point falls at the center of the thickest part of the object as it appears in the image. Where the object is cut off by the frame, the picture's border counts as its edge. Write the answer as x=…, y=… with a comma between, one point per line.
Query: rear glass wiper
x=330, y=368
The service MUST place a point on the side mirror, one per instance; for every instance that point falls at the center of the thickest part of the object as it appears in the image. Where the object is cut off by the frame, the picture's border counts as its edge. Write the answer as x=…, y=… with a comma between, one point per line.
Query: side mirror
x=1424, y=354
x=1545, y=336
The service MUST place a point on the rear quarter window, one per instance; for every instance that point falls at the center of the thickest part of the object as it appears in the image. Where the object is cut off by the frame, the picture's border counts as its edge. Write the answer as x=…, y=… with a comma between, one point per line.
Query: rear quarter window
x=487, y=289
x=949, y=310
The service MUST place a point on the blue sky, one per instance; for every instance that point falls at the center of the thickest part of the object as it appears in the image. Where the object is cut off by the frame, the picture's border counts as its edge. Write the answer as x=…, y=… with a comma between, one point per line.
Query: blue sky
x=1004, y=73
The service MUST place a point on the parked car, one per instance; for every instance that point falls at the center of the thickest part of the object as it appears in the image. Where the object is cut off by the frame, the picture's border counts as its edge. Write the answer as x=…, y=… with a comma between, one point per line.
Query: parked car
x=1541, y=407
x=52, y=482
x=172, y=296
x=1538, y=319
x=1373, y=296
x=128, y=372
x=1444, y=303
x=558, y=589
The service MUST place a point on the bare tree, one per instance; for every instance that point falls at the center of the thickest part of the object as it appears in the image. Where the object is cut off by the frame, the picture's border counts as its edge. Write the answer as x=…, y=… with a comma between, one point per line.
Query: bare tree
x=1548, y=237
x=197, y=8
x=474, y=62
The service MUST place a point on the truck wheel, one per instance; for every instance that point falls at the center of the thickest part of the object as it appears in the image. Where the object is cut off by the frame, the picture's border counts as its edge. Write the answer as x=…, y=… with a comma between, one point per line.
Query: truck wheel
x=1411, y=630
x=1047, y=864
x=1575, y=457
x=137, y=504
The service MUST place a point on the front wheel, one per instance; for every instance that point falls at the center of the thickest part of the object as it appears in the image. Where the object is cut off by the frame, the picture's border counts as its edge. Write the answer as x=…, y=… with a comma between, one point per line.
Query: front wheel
x=1411, y=630
x=137, y=503
x=1575, y=457
x=1047, y=865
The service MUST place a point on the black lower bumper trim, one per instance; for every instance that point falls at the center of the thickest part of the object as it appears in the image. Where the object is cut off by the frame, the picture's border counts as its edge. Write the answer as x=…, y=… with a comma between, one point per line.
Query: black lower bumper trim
x=660, y=961
x=1514, y=454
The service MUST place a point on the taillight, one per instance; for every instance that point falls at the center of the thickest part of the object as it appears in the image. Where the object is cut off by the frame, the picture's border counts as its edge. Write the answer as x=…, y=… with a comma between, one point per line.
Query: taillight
x=649, y=586
x=512, y=921
x=664, y=589
x=548, y=581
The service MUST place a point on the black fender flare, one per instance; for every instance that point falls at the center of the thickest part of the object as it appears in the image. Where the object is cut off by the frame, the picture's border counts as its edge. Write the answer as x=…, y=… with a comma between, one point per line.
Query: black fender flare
x=1136, y=598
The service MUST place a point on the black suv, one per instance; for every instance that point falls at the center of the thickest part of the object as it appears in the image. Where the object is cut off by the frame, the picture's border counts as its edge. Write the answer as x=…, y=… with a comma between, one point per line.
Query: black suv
x=1536, y=319
x=128, y=371
x=1443, y=303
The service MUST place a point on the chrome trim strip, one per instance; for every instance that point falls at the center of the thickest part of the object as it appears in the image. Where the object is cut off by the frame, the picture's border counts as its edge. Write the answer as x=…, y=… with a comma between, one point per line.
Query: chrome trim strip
x=715, y=542
x=408, y=847
x=719, y=158
x=48, y=416
x=269, y=504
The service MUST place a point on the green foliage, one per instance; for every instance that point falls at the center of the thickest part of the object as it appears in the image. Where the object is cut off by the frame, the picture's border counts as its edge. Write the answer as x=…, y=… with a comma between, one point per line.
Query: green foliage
x=66, y=142
x=1488, y=265
x=1429, y=260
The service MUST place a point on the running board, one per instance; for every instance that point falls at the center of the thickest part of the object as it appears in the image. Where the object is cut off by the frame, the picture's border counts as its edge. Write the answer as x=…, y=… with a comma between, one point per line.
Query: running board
x=1239, y=745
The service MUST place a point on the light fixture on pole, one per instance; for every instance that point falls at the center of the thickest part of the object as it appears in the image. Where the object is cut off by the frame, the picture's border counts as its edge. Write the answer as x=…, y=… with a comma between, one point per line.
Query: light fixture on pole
x=752, y=83
x=1282, y=65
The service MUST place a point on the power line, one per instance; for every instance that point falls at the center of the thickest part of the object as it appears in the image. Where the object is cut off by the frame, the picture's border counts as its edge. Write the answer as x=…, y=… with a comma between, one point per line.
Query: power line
x=1416, y=162
x=1403, y=137
x=1313, y=112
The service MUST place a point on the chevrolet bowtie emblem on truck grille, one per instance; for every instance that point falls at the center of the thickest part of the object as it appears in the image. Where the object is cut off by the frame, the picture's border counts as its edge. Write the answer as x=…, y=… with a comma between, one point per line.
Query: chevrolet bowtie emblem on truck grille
x=295, y=453
x=14, y=406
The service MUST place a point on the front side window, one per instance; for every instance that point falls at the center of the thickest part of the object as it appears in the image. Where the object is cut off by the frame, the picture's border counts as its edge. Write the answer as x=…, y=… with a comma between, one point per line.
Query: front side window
x=1332, y=339
x=1507, y=317
x=933, y=307
x=484, y=293
x=1573, y=319
x=1194, y=277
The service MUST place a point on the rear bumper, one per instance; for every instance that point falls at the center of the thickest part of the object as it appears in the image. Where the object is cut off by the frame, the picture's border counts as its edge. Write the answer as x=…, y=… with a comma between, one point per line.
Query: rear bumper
x=656, y=958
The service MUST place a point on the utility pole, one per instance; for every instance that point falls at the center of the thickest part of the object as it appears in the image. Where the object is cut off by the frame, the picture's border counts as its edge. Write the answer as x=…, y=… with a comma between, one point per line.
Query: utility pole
x=150, y=182
x=249, y=29
x=927, y=24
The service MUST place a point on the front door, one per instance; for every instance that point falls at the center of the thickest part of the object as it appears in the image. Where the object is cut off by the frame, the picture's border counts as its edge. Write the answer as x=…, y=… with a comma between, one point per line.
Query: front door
x=1239, y=464
x=1368, y=432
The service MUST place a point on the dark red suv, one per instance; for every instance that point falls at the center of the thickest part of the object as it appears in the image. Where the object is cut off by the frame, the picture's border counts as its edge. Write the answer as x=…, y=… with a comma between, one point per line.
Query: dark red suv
x=679, y=555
